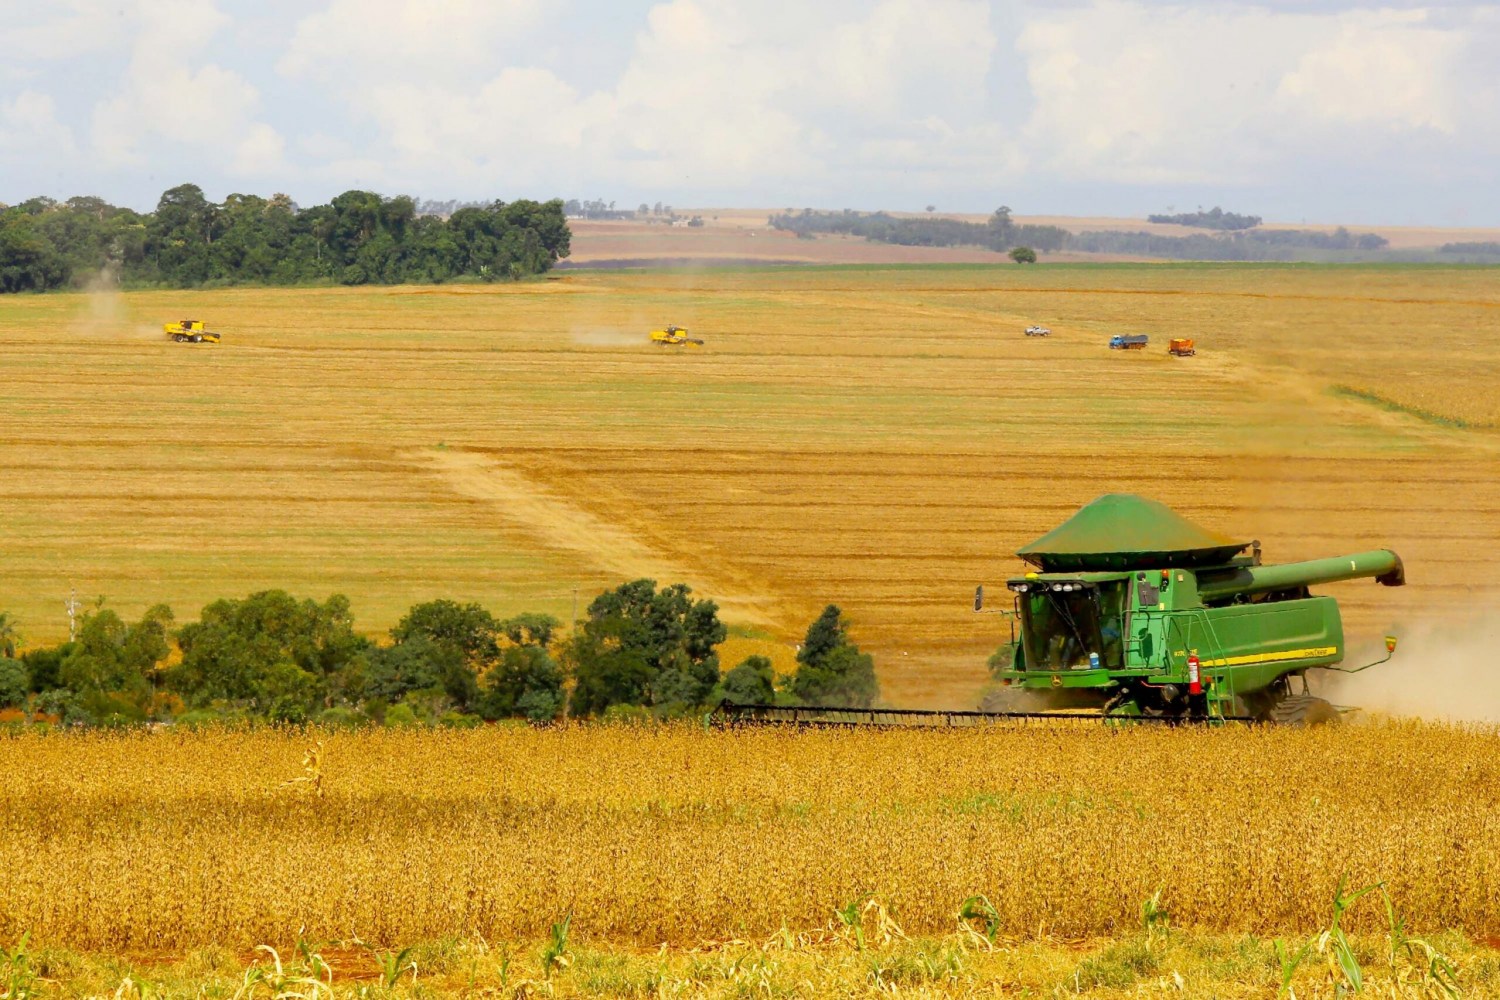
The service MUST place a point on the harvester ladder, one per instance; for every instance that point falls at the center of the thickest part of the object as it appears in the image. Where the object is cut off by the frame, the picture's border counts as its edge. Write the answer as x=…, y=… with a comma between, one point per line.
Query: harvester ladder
x=1213, y=637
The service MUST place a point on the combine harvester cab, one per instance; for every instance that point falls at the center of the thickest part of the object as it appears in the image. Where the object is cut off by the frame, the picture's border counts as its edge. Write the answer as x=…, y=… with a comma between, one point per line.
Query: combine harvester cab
x=1135, y=611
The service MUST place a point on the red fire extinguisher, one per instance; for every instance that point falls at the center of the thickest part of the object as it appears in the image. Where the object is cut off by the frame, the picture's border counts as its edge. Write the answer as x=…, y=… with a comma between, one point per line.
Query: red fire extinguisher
x=1195, y=675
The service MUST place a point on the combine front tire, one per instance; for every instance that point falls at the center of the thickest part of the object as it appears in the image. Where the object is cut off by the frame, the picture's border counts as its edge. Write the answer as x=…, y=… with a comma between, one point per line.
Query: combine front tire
x=1303, y=710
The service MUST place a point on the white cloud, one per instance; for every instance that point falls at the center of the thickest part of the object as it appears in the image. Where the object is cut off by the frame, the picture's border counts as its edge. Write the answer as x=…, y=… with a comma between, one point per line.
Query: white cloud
x=260, y=153
x=714, y=93
x=1140, y=93
x=173, y=96
x=842, y=102
x=29, y=124
x=350, y=40
x=64, y=30
x=1384, y=68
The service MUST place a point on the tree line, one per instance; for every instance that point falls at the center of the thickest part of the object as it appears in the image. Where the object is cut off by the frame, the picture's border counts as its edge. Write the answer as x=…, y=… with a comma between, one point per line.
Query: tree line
x=1248, y=245
x=1001, y=234
x=1214, y=218
x=1484, y=249
x=359, y=238
x=640, y=652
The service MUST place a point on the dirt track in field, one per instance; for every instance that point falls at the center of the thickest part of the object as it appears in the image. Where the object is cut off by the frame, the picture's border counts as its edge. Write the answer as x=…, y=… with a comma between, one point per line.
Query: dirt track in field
x=561, y=524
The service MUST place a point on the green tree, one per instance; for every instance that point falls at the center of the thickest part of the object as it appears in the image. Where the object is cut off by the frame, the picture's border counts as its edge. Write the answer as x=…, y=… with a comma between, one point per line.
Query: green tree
x=832, y=670
x=526, y=681
x=1023, y=255
x=530, y=629
x=9, y=637
x=466, y=635
x=15, y=682
x=238, y=648
x=752, y=682
x=635, y=634
x=417, y=664
x=110, y=655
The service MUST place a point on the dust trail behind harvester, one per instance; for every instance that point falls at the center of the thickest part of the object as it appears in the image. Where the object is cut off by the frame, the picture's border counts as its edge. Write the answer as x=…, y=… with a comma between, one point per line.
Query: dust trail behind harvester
x=104, y=313
x=1448, y=670
x=603, y=336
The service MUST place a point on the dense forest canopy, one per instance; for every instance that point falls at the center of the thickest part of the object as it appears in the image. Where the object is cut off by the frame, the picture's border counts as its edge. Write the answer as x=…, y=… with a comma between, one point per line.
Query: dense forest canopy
x=359, y=238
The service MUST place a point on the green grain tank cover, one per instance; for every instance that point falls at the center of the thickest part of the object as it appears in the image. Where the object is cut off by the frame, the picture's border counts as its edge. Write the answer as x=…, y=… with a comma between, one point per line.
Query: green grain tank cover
x=1121, y=531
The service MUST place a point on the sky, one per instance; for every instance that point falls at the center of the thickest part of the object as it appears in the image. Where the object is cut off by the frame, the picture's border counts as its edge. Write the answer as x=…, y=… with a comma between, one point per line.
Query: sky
x=1316, y=111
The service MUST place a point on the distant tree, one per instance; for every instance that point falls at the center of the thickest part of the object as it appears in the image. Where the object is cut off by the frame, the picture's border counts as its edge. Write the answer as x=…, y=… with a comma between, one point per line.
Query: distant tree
x=111, y=664
x=752, y=682
x=466, y=629
x=530, y=629
x=1215, y=218
x=15, y=682
x=1023, y=255
x=9, y=637
x=272, y=652
x=419, y=664
x=641, y=646
x=527, y=682
x=931, y=208
x=832, y=670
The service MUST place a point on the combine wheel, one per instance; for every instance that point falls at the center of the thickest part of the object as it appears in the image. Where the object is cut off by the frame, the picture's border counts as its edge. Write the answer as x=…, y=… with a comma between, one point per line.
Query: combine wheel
x=1303, y=710
x=179, y=338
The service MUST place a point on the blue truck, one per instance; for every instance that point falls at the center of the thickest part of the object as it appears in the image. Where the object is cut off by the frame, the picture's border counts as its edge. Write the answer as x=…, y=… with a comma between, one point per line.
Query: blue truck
x=1128, y=342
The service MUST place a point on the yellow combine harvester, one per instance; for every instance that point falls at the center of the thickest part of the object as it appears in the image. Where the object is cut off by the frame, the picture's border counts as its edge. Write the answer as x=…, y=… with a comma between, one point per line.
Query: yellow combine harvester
x=191, y=331
x=674, y=336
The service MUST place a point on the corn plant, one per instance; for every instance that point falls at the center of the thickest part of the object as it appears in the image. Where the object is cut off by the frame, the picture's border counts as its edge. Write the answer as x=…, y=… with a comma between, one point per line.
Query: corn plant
x=16, y=972
x=555, y=951
x=979, y=908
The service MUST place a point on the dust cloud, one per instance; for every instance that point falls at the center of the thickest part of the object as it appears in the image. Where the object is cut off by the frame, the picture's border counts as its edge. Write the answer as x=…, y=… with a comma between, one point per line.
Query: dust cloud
x=104, y=313
x=596, y=336
x=1442, y=671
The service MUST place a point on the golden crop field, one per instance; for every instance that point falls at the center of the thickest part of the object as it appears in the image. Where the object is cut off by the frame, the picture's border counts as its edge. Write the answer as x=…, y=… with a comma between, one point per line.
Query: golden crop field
x=166, y=842
x=882, y=438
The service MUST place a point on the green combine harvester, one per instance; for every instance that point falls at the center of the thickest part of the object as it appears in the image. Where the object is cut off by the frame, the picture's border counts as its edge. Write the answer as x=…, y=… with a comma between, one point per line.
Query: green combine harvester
x=1134, y=613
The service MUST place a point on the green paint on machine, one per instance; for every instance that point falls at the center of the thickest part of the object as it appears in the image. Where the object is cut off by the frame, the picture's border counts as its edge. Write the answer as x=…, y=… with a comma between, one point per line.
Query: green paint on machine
x=1136, y=611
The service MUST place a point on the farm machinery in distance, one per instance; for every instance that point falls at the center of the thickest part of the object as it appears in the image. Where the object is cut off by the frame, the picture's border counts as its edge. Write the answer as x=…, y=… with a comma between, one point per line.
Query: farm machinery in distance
x=674, y=336
x=191, y=331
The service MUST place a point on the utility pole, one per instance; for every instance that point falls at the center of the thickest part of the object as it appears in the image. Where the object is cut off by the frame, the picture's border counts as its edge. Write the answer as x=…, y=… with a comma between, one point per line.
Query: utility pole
x=72, y=606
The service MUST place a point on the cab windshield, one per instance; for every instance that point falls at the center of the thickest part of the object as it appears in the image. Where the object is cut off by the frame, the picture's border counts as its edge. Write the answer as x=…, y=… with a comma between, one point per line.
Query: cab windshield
x=1062, y=627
